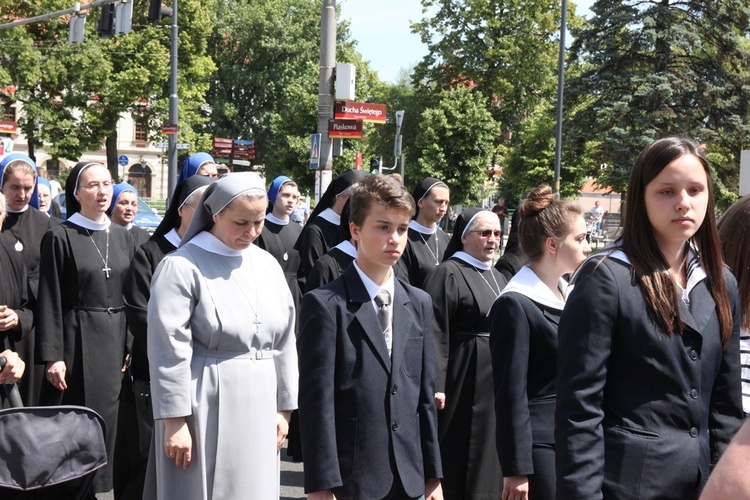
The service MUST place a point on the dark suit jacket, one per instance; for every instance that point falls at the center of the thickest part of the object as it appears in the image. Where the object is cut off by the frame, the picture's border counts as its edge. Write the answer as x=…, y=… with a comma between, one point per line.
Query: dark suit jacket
x=365, y=416
x=523, y=340
x=641, y=414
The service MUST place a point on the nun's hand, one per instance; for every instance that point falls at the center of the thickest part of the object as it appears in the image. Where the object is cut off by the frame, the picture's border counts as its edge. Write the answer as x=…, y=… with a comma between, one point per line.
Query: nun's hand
x=56, y=374
x=178, y=444
x=13, y=369
x=8, y=319
x=282, y=427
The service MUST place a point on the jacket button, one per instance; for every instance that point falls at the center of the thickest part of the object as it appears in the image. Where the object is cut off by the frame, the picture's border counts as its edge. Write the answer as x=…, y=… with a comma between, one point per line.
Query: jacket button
x=394, y=427
x=694, y=394
x=394, y=390
x=693, y=354
x=693, y=432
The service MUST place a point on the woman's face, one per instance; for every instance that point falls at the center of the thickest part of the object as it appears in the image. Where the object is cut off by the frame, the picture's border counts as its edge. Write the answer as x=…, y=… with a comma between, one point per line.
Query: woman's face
x=676, y=201
x=94, y=191
x=125, y=208
x=208, y=169
x=482, y=241
x=45, y=198
x=240, y=223
x=574, y=248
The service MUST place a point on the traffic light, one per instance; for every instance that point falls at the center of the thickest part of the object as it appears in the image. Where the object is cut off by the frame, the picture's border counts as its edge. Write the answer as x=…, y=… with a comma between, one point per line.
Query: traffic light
x=375, y=165
x=106, y=26
x=156, y=10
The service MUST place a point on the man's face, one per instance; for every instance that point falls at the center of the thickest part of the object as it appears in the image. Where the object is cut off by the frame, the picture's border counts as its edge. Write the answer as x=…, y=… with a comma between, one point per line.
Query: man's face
x=381, y=239
x=286, y=200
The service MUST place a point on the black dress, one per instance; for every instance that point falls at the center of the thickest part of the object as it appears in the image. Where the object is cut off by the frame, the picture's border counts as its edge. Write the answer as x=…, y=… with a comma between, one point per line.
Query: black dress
x=423, y=253
x=462, y=296
x=81, y=320
x=279, y=240
x=139, y=235
x=523, y=339
x=317, y=238
x=14, y=294
x=329, y=267
x=26, y=229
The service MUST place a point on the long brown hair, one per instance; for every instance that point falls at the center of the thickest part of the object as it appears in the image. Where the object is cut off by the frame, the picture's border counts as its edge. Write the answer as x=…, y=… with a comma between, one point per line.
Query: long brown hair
x=734, y=229
x=649, y=265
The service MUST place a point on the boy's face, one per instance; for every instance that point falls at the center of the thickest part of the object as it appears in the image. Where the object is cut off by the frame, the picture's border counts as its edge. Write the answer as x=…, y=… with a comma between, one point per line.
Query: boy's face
x=381, y=238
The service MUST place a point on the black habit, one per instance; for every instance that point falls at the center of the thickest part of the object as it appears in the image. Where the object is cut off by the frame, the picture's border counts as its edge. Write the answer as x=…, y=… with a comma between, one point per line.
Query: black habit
x=80, y=320
x=279, y=240
x=462, y=296
x=423, y=253
x=316, y=240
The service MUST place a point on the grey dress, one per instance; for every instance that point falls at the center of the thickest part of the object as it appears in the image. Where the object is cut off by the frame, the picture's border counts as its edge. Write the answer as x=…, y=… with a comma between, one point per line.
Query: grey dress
x=211, y=363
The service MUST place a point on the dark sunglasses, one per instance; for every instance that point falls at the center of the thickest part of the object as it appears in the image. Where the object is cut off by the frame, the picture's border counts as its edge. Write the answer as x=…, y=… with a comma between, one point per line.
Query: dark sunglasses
x=486, y=233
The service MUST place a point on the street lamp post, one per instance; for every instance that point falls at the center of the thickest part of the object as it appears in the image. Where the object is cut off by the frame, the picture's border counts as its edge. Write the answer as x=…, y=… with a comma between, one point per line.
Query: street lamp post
x=560, y=83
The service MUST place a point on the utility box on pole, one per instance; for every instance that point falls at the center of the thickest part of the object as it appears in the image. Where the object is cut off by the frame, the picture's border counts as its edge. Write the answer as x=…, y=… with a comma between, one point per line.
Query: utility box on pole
x=745, y=173
x=345, y=81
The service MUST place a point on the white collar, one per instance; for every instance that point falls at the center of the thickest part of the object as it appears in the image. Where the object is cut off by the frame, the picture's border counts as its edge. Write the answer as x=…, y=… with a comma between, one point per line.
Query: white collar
x=471, y=260
x=173, y=237
x=347, y=248
x=279, y=222
x=129, y=226
x=86, y=223
x=7, y=209
x=527, y=283
x=331, y=216
x=695, y=272
x=372, y=287
x=211, y=243
x=413, y=224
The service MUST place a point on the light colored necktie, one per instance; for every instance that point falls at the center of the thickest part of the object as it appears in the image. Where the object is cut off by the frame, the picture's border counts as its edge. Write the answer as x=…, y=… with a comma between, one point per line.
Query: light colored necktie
x=383, y=300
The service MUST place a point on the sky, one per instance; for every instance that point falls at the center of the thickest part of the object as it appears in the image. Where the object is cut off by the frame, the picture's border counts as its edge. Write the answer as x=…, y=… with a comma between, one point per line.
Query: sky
x=382, y=30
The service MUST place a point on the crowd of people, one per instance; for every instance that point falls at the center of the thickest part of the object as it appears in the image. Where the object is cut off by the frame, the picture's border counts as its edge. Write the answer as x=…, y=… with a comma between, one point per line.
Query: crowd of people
x=402, y=361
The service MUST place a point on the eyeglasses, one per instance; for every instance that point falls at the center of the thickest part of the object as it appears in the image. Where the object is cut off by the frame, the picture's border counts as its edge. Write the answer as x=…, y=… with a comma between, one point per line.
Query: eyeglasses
x=96, y=186
x=486, y=233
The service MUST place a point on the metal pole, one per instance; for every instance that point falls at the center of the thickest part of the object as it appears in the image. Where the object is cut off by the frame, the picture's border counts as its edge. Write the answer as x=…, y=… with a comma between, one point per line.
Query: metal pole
x=325, y=83
x=173, y=114
x=560, y=82
x=53, y=15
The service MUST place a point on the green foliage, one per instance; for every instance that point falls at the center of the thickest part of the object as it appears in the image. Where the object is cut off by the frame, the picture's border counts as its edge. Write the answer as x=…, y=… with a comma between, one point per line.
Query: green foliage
x=456, y=138
x=660, y=68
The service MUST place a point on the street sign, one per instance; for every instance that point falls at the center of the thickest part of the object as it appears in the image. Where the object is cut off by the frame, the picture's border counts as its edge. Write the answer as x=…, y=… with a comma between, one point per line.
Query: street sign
x=366, y=111
x=161, y=145
x=123, y=160
x=314, y=151
x=243, y=142
x=182, y=145
x=241, y=163
x=345, y=129
x=8, y=127
x=169, y=129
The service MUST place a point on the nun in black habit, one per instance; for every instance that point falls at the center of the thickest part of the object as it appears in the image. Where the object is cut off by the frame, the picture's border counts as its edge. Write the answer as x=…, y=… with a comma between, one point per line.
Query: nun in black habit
x=16, y=319
x=319, y=234
x=463, y=288
x=81, y=329
x=427, y=242
x=22, y=231
x=279, y=234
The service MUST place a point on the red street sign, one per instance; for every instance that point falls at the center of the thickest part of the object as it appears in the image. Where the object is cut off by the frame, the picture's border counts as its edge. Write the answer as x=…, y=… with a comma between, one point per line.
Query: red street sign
x=220, y=140
x=8, y=127
x=169, y=129
x=366, y=111
x=345, y=129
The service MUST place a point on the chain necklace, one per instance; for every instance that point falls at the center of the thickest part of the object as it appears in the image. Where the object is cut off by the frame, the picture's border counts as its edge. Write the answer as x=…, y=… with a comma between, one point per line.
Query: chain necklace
x=495, y=293
x=19, y=244
x=105, y=260
x=257, y=322
x=437, y=247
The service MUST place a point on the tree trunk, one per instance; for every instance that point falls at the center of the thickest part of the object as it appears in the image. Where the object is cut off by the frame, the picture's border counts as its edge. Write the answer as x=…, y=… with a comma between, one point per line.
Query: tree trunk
x=111, y=144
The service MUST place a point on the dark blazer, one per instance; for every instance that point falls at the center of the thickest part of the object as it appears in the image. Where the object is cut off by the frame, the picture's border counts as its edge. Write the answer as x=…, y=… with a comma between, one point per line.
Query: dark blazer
x=523, y=341
x=641, y=414
x=365, y=416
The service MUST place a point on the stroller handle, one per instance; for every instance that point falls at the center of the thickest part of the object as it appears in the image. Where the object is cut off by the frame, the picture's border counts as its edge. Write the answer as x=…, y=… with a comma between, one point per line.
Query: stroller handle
x=11, y=390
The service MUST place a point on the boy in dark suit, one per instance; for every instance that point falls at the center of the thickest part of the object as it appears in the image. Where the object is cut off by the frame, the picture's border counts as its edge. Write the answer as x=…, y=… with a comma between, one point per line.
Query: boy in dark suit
x=367, y=366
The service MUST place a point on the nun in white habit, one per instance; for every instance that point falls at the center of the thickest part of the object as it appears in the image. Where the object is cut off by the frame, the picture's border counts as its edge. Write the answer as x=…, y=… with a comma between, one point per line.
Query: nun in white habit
x=222, y=354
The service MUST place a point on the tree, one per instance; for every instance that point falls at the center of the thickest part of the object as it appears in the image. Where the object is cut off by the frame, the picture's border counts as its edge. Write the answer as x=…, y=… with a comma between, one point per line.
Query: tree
x=456, y=138
x=658, y=68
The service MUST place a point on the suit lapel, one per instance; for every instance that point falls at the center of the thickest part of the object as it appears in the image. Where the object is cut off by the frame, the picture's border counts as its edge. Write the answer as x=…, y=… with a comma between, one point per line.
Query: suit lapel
x=697, y=317
x=402, y=323
x=365, y=315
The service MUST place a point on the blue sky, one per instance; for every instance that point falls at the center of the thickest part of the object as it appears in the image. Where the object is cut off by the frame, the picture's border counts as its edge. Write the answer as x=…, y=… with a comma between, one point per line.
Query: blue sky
x=384, y=35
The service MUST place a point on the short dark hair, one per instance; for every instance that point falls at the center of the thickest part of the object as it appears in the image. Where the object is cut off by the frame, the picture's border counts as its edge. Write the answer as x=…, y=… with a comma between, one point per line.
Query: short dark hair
x=381, y=189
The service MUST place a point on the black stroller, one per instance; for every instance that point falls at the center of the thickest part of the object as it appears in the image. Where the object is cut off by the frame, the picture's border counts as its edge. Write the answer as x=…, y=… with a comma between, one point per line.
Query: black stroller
x=50, y=452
